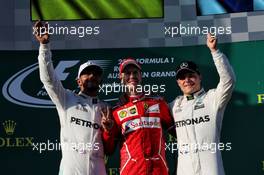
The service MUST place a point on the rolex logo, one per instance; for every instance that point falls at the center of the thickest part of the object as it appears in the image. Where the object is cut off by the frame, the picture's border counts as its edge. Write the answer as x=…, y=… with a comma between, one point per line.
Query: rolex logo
x=10, y=141
x=9, y=126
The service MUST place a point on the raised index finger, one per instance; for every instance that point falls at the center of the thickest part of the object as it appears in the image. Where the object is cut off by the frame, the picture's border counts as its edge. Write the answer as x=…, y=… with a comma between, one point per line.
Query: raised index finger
x=102, y=113
x=107, y=112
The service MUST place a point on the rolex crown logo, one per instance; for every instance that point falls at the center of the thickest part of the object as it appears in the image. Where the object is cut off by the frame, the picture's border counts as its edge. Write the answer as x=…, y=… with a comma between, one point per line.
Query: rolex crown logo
x=9, y=126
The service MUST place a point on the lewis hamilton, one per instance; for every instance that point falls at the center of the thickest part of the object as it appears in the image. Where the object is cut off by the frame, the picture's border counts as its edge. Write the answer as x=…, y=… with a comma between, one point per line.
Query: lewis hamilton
x=79, y=114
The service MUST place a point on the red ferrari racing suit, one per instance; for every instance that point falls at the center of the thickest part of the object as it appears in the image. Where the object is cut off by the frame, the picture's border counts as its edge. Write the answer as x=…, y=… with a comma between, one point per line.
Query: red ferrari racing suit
x=140, y=122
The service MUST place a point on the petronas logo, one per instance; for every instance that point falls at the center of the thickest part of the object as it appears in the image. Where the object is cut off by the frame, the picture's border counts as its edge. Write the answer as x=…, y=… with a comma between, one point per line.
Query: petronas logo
x=9, y=126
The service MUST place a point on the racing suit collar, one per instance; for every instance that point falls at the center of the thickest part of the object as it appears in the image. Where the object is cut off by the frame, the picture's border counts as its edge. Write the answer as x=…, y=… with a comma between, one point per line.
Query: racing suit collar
x=93, y=100
x=136, y=98
x=195, y=95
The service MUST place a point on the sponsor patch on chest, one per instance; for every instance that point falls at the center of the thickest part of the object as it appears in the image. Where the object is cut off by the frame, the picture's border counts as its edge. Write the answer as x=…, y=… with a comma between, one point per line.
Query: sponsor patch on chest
x=81, y=107
x=142, y=122
x=198, y=105
x=178, y=109
x=192, y=121
x=153, y=109
x=127, y=112
x=84, y=123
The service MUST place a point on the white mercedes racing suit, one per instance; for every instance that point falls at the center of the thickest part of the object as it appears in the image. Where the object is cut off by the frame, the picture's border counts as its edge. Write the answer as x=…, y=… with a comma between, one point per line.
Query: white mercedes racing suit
x=198, y=120
x=80, y=135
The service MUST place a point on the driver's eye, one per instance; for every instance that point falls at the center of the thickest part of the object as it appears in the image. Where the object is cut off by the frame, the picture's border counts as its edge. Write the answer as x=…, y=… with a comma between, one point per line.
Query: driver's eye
x=181, y=77
x=128, y=73
x=188, y=75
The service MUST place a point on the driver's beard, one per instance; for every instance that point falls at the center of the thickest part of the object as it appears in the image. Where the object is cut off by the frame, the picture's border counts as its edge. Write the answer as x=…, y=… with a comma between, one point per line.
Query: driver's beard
x=91, y=88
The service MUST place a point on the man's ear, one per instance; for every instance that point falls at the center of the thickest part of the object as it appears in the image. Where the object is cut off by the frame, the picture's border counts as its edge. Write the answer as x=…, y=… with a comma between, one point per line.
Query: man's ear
x=121, y=76
x=200, y=77
x=78, y=81
x=177, y=81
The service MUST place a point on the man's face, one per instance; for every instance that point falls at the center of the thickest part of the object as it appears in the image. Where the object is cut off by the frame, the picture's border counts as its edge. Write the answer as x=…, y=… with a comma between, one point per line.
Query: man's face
x=89, y=80
x=131, y=76
x=189, y=82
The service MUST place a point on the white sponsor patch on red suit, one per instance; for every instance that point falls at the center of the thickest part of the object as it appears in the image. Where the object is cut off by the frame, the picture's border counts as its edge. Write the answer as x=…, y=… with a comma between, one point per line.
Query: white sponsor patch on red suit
x=143, y=122
x=153, y=109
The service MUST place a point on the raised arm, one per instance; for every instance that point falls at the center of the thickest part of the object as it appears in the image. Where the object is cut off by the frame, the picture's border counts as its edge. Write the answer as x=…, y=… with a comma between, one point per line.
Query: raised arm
x=226, y=74
x=48, y=77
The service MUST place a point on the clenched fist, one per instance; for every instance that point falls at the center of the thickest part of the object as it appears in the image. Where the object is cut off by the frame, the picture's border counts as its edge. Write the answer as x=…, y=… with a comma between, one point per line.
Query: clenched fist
x=41, y=32
x=211, y=42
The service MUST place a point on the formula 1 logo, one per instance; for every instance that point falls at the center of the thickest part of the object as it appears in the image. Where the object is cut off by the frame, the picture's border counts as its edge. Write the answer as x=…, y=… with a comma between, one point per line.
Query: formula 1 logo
x=14, y=92
x=260, y=98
